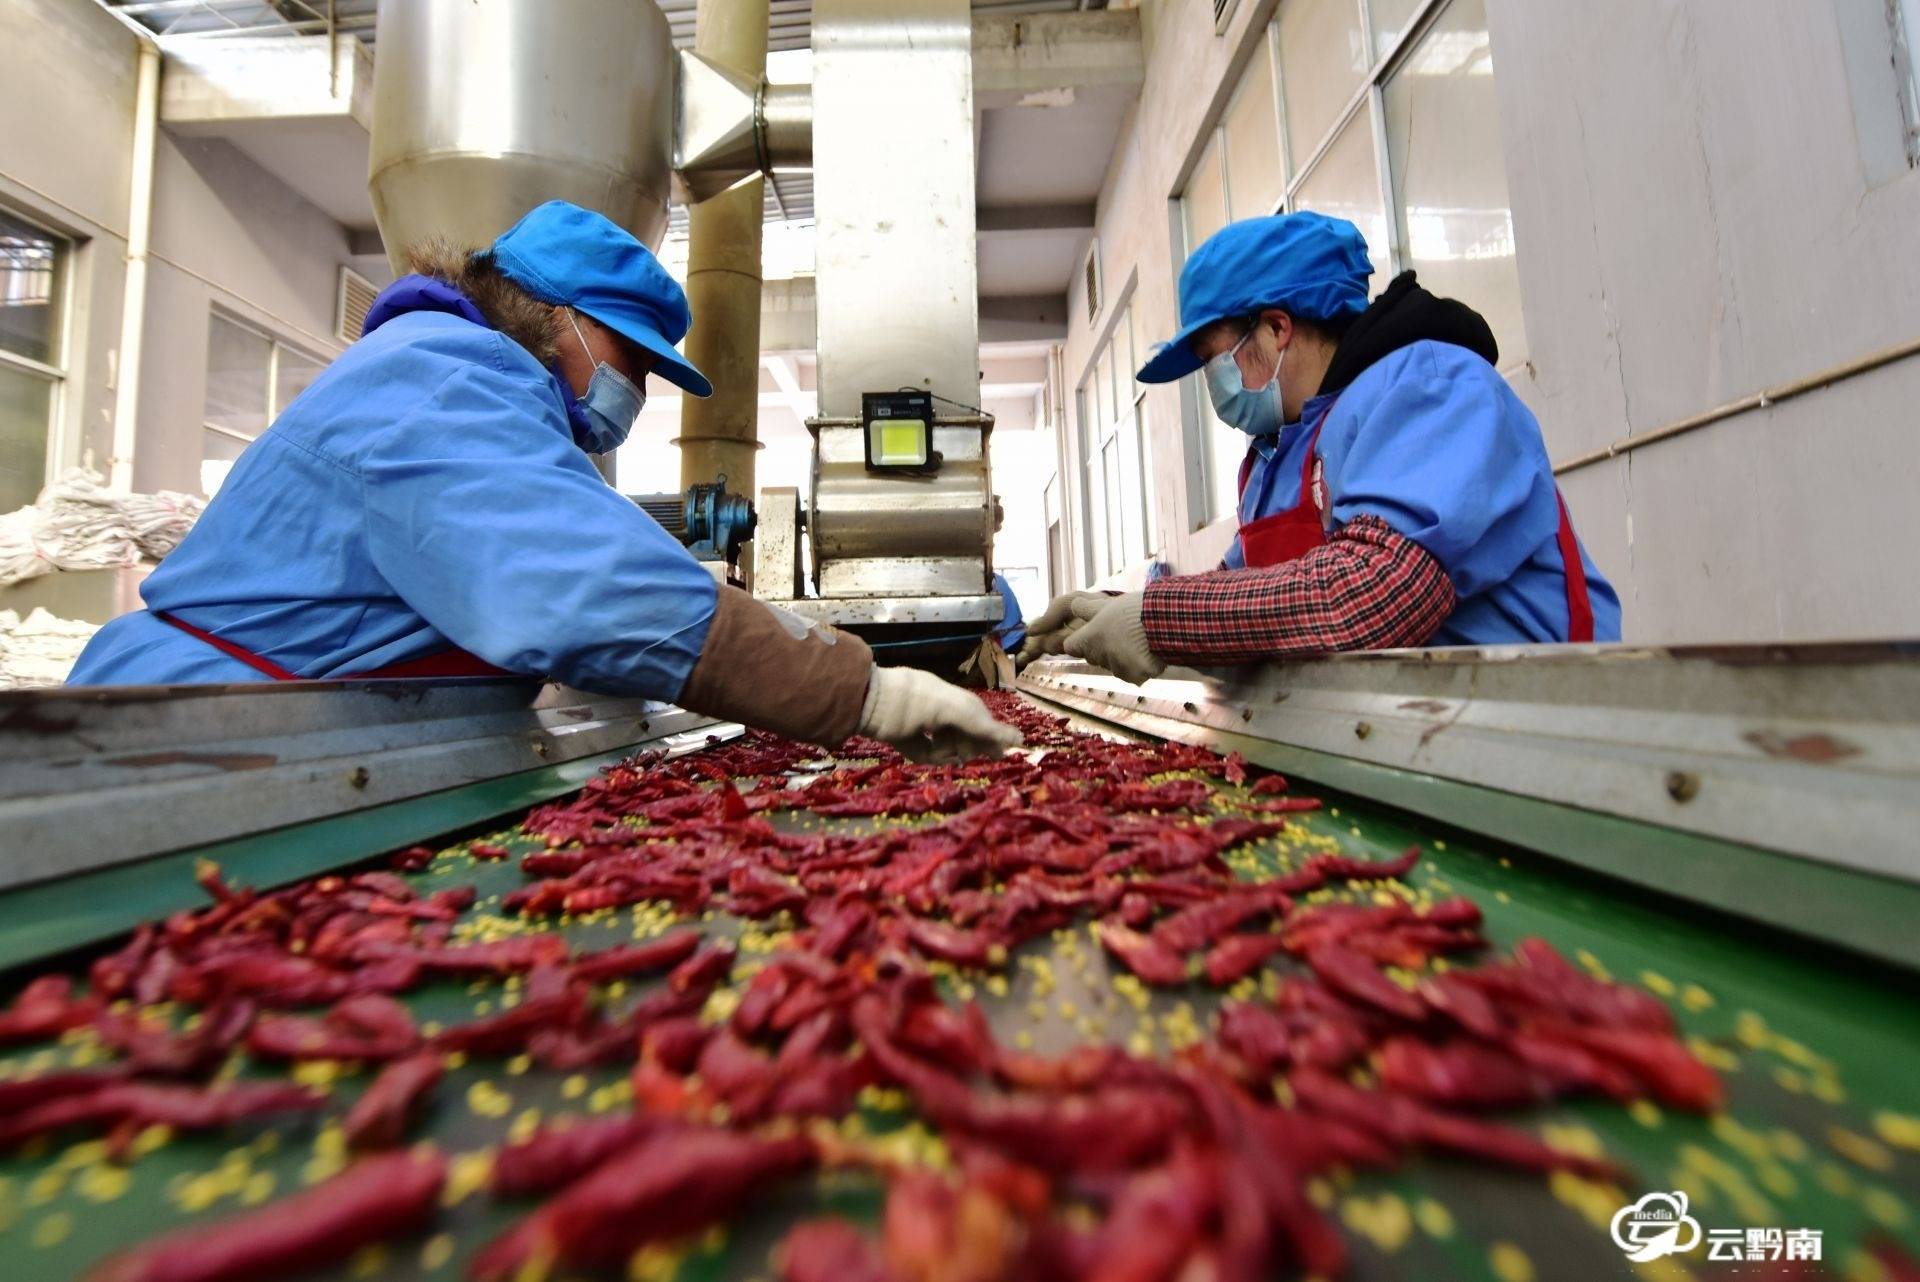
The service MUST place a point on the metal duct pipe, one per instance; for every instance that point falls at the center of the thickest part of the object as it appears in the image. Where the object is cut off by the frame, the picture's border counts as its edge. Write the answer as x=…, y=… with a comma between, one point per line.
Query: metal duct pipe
x=719, y=434
x=786, y=126
x=133, y=308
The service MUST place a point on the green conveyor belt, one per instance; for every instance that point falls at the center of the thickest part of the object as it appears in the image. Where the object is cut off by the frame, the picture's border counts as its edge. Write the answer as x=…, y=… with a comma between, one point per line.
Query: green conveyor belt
x=1822, y=1130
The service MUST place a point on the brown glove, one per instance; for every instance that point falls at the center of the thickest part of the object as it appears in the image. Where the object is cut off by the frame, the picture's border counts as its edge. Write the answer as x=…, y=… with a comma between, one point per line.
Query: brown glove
x=772, y=669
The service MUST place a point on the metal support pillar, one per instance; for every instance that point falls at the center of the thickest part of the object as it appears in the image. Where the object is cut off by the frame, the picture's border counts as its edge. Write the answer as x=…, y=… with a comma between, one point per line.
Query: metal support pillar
x=719, y=435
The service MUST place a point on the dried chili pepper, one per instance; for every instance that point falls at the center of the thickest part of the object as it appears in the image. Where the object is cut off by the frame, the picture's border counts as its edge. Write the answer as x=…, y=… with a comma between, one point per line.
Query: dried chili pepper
x=45, y=1008
x=558, y=1154
x=378, y=1119
x=668, y=1185
x=1356, y=978
x=1144, y=955
x=373, y=1200
x=703, y=969
x=640, y=959
x=1237, y=956
x=829, y=1251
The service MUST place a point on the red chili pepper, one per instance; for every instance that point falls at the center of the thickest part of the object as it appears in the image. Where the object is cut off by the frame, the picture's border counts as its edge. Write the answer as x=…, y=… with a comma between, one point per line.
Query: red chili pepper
x=559, y=1153
x=488, y=851
x=45, y=1008
x=1459, y=1073
x=829, y=1251
x=512, y=955
x=373, y=1200
x=667, y=1186
x=378, y=1119
x=552, y=1001
x=703, y=969
x=1197, y=925
x=413, y=858
x=961, y=947
x=640, y=959
x=1237, y=956
x=1144, y=955
x=1360, y=981
x=149, y=1104
x=1269, y=785
x=1662, y=1065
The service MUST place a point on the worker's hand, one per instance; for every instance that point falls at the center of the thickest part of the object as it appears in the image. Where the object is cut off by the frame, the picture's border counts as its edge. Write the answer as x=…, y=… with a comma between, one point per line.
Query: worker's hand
x=1063, y=617
x=929, y=719
x=1115, y=638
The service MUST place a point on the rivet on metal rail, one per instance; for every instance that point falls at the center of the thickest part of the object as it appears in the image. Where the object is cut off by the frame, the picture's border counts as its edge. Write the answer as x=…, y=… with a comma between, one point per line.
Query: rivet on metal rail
x=1361, y=729
x=358, y=776
x=1683, y=785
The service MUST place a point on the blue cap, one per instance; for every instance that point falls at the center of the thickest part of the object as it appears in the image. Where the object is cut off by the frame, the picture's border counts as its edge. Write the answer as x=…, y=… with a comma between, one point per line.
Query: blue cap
x=1305, y=264
x=573, y=257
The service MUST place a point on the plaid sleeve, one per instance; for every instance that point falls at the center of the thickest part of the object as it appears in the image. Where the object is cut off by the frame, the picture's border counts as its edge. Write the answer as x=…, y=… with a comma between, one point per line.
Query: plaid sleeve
x=1368, y=588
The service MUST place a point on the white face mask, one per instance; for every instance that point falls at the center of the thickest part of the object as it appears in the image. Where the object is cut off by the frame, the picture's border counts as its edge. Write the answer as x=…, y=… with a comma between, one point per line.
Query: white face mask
x=1254, y=410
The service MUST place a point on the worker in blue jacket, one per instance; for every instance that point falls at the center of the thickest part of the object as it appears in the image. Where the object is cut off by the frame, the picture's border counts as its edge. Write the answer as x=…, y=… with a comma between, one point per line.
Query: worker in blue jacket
x=427, y=508
x=1395, y=491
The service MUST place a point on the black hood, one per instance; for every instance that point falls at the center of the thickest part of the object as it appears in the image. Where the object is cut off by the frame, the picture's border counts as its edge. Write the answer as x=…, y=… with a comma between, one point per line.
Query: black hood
x=1405, y=314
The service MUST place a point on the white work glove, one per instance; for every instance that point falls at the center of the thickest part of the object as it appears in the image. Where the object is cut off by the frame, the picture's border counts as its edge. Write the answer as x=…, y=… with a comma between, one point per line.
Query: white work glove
x=1048, y=634
x=1115, y=638
x=929, y=719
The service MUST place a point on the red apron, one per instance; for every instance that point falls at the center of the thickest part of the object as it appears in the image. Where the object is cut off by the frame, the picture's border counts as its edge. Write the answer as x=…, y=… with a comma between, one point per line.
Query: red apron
x=1289, y=535
x=445, y=663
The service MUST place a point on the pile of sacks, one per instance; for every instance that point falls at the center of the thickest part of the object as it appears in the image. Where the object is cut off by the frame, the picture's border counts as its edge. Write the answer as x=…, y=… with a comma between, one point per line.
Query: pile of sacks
x=77, y=523
x=40, y=649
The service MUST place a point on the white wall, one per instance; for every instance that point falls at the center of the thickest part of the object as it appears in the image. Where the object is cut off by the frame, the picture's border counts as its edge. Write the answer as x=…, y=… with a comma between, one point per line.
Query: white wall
x=1709, y=199
x=225, y=232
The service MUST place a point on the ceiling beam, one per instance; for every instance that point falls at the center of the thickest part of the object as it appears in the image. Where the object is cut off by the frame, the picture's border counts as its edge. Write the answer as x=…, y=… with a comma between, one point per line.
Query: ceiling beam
x=1019, y=55
x=1067, y=216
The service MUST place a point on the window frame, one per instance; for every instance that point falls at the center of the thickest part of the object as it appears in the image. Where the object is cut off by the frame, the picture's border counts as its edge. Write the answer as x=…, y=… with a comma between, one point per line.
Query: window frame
x=57, y=372
x=1113, y=421
x=275, y=346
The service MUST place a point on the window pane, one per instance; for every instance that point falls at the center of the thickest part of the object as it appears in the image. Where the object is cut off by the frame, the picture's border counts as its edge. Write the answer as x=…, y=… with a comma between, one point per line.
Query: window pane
x=1132, y=504
x=1254, y=182
x=1323, y=60
x=1123, y=359
x=236, y=377
x=26, y=412
x=1226, y=447
x=1116, y=504
x=1143, y=450
x=218, y=451
x=1141, y=350
x=31, y=263
x=1346, y=184
x=1443, y=140
x=294, y=374
x=1206, y=201
x=1050, y=500
x=1096, y=519
x=1390, y=19
x=1101, y=402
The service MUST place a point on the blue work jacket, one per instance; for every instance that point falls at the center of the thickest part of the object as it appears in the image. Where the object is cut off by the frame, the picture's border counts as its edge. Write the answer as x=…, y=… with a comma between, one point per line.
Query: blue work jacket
x=1431, y=440
x=426, y=493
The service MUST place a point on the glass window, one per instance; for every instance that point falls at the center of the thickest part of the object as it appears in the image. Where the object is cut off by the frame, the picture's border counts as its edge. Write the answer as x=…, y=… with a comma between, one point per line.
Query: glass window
x=1450, y=187
x=32, y=263
x=1345, y=183
x=26, y=409
x=1323, y=61
x=1101, y=402
x=1252, y=132
x=218, y=452
x=1206, y=199
x=1390, y=19
x=292, y=373
x=239, y=374
x=1133, y=508
x=1116, y=505
x=1226, y=447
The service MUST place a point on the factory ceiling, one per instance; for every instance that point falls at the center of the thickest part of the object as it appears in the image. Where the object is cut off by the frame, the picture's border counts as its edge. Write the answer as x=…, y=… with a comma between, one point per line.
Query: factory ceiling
x=1043, y=149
